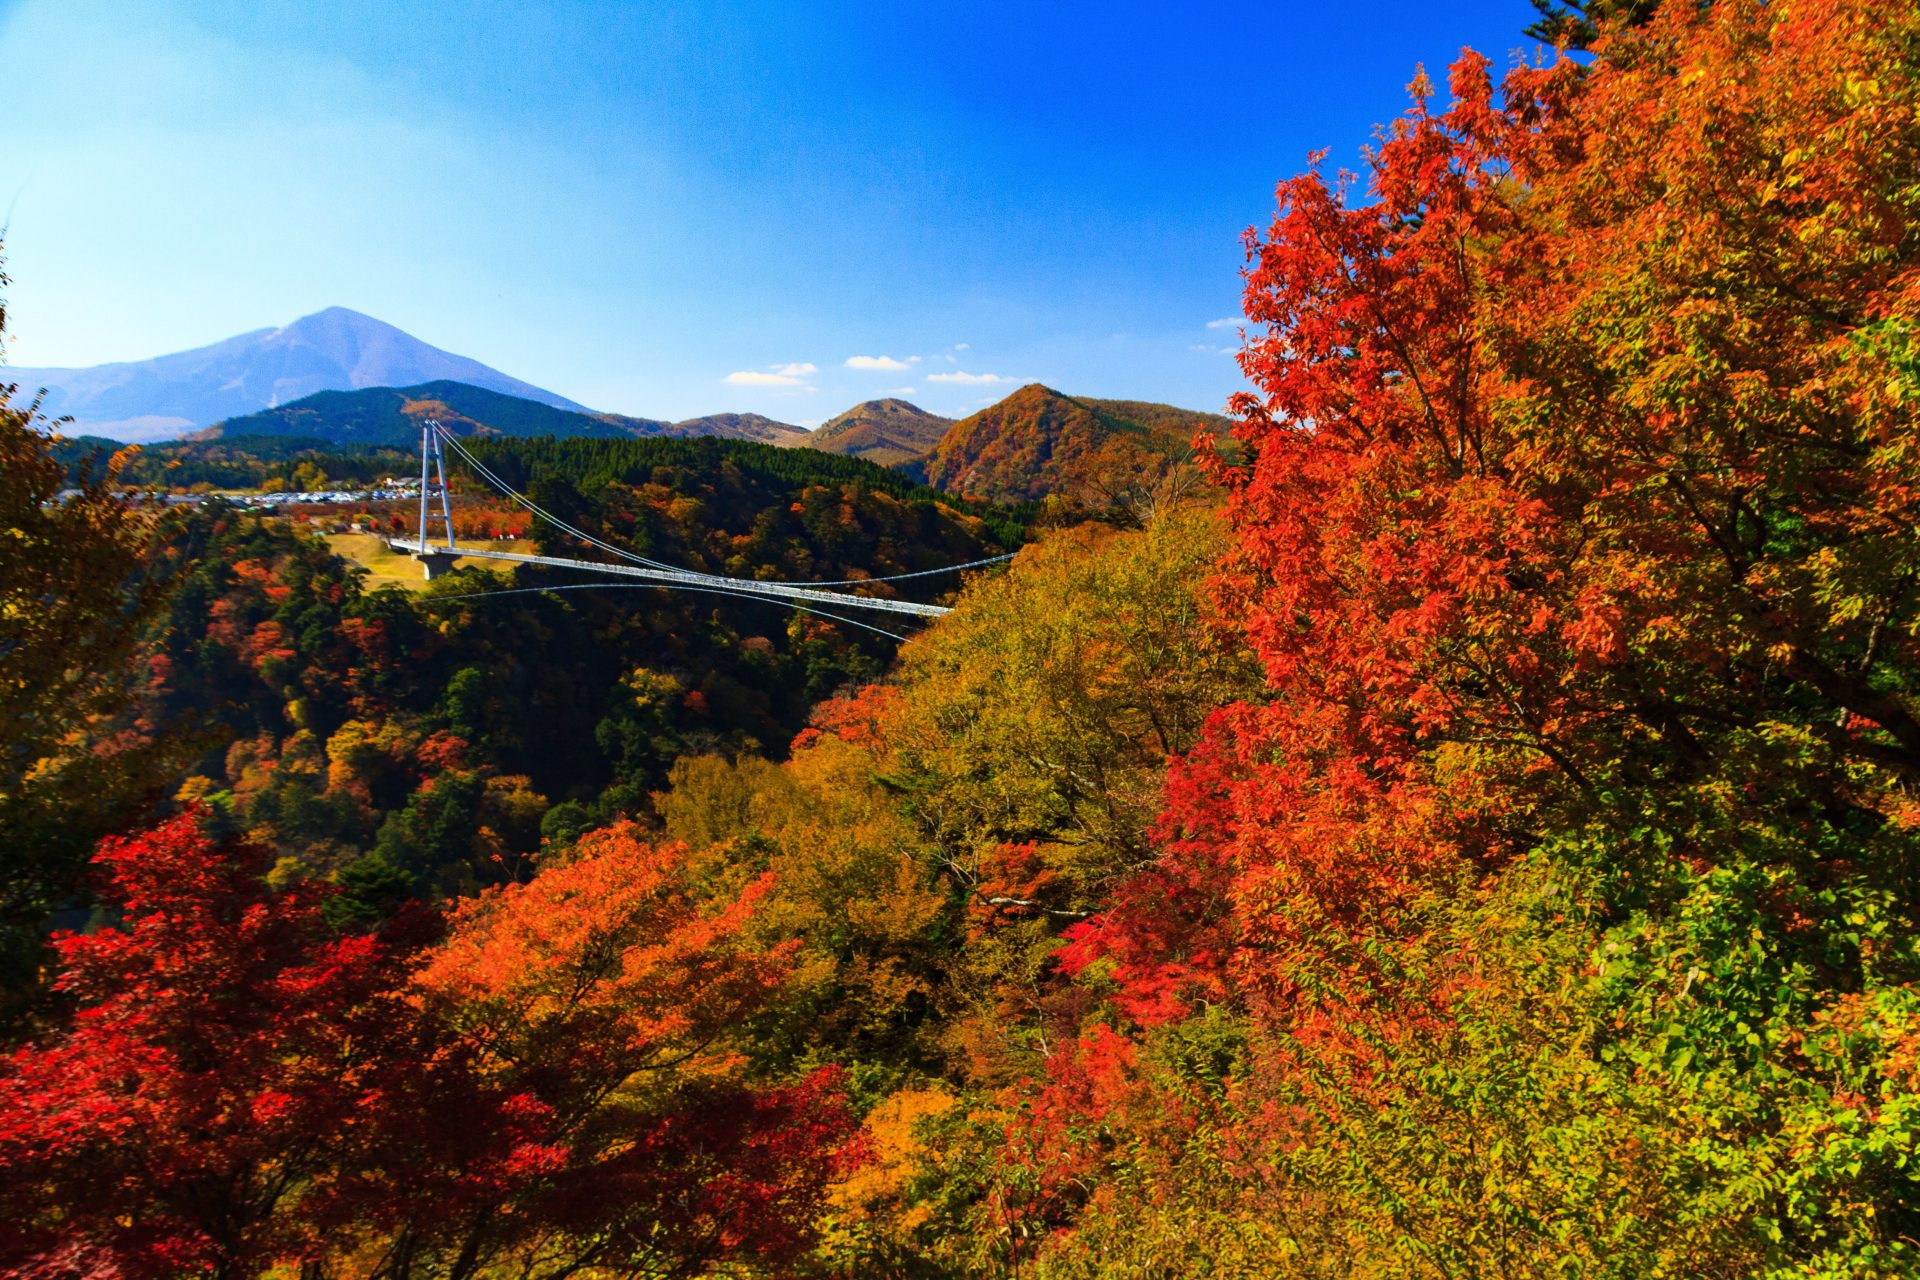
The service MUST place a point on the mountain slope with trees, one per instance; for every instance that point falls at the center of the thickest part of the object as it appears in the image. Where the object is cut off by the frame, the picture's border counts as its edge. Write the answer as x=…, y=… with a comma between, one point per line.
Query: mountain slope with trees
x=1038, y=442
x=890, y=432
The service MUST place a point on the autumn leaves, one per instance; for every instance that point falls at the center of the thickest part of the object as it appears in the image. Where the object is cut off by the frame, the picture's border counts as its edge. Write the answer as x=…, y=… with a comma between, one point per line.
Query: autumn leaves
x=1480, y=842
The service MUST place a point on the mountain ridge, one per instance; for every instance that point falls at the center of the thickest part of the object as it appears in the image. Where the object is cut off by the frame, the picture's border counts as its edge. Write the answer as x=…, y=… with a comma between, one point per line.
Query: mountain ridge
x=741, y=426
x=1034, y=444
x=889, y=431
x=1039, y=442
x=392, y=416
x=336, y=349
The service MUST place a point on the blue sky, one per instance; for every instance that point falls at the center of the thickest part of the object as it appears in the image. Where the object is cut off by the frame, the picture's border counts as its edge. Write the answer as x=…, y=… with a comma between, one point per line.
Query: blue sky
x=669, y=209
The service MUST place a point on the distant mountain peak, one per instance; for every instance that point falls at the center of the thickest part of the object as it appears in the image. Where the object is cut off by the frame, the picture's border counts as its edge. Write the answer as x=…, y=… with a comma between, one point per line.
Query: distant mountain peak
x=336, y=349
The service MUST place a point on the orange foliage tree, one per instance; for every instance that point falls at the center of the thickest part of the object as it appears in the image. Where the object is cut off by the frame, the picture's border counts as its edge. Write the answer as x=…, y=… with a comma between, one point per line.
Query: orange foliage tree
x=1575, y=521
x=1549, y=507
x=606, y=990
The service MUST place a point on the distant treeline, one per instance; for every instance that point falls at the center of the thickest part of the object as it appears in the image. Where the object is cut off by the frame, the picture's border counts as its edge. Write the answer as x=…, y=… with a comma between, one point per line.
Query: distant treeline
x=239, y=462
x=296, y=462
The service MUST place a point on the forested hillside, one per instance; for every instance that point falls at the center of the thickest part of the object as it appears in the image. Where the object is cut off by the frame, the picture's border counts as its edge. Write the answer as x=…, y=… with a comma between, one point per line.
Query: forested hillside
x=538, y=466
x=890, y=432
x=391, y=416
x=269, y=659
x=1038, y=442
x=1477, y=837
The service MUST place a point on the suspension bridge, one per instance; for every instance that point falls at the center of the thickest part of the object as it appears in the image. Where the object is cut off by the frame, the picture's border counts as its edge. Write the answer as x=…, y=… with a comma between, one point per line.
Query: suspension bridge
x=438, y=557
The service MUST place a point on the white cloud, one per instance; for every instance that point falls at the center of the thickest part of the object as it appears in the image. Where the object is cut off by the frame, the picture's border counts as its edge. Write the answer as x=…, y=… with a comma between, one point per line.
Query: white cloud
x=963, y=346
x=755, y=378
x=1233, y=322
x=969, y=378
x=775, y=375
x=875, y=362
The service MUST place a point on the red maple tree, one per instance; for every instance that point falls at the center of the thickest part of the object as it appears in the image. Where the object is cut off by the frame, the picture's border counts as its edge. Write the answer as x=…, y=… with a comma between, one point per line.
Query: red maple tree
x=234, y=1079
x=243, y=1087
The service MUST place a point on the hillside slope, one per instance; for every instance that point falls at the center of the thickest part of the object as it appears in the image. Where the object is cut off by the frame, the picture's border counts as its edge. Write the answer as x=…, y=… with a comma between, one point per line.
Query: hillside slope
x=1037, y=443
x=392, y=416
x=888, y=432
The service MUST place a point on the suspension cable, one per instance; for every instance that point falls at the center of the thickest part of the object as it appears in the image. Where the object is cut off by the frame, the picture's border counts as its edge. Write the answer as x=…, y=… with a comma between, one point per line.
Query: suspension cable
x=896, y=577
x=670, y=586
x=548, y=516
x=588, y=538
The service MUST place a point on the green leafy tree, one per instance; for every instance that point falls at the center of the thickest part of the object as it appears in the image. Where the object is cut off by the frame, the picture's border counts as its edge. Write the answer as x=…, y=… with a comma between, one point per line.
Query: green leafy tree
x=371, y=888
x=637, y=734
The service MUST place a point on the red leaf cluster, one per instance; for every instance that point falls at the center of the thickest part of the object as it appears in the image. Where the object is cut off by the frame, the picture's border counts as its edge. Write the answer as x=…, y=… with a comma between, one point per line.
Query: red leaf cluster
x=243, y=1087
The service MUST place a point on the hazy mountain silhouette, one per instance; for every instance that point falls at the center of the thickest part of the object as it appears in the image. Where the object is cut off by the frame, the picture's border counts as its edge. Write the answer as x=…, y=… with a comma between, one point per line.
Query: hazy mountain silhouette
x=332, y=350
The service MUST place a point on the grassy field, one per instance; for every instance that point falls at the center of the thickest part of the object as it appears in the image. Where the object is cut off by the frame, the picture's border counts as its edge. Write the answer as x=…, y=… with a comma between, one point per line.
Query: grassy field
x=384, y=567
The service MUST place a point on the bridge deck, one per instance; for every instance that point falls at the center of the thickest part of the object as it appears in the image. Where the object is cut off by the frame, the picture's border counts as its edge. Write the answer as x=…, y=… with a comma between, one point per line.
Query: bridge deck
x=670, y=577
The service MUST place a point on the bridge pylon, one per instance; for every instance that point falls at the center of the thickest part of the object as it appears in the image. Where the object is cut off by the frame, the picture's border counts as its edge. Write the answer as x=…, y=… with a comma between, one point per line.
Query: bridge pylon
x=433, y=483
